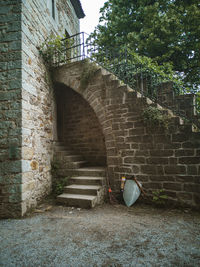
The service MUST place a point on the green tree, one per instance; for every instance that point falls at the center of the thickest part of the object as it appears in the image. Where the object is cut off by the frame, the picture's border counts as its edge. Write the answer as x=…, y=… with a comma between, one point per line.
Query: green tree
x=167, y=31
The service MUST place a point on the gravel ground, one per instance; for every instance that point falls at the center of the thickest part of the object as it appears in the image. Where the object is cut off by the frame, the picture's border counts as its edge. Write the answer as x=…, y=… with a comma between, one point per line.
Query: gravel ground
x=104, y=236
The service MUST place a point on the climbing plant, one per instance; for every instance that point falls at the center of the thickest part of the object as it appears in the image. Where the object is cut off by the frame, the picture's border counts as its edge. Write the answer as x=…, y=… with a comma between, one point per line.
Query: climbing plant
x=55, y=49
x=155, y=117
x=58, y=183
x=88, y=73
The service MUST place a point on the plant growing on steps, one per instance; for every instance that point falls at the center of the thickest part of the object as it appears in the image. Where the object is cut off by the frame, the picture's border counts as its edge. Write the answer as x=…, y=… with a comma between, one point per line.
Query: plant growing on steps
x=154, y=116
x=58, y=183
x=88, y=73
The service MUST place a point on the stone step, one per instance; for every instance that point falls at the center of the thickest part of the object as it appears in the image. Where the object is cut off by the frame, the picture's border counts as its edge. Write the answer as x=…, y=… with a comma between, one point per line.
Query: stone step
x=82, y=189
x=91, y=171
x=61, y=148
x=82, y=201
x=62, y=153
x=57, y=144
x=72, y=158
x=86, y=180
x=73, y=164
x=86, y=171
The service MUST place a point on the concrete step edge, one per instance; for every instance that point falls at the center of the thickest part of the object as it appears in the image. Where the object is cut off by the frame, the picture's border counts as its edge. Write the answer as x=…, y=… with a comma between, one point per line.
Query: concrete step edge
x=77, y=196
x=83, y=187
x=87, y=178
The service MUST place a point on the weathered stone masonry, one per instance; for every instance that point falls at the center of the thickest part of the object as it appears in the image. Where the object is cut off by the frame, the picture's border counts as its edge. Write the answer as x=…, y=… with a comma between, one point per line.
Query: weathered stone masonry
x=10, y=107
x=117, y=134
x=27, y=106
x=159, y=159
x=79, y=128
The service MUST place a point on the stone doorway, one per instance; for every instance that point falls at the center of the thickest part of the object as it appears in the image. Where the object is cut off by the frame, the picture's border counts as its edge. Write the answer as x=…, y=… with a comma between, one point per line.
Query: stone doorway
x=78, y=126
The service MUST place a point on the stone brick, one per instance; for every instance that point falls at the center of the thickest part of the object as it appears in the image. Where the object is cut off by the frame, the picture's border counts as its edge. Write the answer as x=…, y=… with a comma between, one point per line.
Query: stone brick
x=192, y=188
x=139, y=153
x=27, y=153
x=196, y=198
x=10, y=167
x=111, y=152
x=146, y=146
x=133, y=139
x=184, y=196
x=153, y=185
x=161, y=178
x=136, y=131
x=184, y=152
x=134, y=146
x=173, y=146
x=162, y=153
x=190, y=145
x=173, y=161
x=127, y=125
x=147, y=139
x=189, y=160
x=134, y=160
x=160, y=170
x=158, y=161
x=192, y=169
x=142, y=178
x=113, y=160
x=148, y=169
x=179, y=137
x=135, y=169
x=176, y=169
x=127, y=153
x=184, y=178
x=173, y=186
x=162, y=138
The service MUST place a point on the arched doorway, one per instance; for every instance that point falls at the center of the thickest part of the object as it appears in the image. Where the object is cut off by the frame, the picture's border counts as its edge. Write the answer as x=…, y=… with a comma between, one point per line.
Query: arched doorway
x=78, y=126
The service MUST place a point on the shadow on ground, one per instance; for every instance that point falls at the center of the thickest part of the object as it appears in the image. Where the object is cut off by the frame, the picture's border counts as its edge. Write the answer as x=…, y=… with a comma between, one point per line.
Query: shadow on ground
x=104, y=236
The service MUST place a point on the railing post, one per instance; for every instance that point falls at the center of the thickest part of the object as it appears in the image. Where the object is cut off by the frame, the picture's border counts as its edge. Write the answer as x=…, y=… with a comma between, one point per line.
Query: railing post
x=83, y=45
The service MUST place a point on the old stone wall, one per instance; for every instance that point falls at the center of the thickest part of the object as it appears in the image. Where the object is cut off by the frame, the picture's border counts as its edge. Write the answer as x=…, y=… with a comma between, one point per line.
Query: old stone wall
x=159, y=157
x=10, y=108
x=81, y=130
x=38, y=102
x=27, y=103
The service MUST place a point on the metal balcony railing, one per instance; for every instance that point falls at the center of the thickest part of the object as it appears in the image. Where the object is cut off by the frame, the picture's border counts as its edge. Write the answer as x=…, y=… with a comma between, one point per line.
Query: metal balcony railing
x=143, y=79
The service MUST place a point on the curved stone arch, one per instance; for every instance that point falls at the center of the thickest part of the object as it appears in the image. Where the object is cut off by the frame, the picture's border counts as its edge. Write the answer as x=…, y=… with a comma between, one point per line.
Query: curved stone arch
x=70, y=76
x=95, y=95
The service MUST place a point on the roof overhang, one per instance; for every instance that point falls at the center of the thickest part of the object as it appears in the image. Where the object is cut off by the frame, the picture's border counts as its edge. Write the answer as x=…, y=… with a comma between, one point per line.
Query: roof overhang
x=78, y=8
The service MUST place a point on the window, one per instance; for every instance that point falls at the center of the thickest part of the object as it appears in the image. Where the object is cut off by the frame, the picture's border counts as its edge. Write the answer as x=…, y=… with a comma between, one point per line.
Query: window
x=53, y=9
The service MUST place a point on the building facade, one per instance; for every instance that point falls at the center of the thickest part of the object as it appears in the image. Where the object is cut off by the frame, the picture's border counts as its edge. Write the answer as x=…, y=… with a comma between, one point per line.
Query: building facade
x=27, y=106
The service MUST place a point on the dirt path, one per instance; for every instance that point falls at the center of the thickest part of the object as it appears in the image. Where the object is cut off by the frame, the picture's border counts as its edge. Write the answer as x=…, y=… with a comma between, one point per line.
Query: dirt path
x=105, y=236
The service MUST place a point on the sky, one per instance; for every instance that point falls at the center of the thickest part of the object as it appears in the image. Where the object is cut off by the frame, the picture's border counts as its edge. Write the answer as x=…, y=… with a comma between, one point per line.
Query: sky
x=91, y=10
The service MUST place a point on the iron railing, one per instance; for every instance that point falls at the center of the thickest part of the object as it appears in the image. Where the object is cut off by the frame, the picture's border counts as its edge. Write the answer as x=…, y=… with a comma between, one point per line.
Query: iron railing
x=143, y=79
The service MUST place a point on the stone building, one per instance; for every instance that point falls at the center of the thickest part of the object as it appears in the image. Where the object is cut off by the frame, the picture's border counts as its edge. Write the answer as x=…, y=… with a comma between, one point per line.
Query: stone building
x=96, y=129
x=27, y=99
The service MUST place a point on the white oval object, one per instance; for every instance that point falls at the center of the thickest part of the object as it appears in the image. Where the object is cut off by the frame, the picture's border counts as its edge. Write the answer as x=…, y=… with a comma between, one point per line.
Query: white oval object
x=131, y=192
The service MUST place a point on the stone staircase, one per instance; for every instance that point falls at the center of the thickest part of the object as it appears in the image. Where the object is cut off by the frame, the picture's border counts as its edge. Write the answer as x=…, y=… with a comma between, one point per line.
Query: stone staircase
x=86, y=187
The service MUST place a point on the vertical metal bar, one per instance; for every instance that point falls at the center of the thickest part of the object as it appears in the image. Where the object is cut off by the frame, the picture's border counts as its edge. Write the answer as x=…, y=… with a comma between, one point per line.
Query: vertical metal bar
x=83, y=46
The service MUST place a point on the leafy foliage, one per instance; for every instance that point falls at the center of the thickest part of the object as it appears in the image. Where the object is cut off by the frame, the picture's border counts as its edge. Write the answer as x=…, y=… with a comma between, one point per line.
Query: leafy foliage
x=57, y=183
x=56, y=48
x=155, y=117
x=159, y=197
x=88, y=73
x=164, y=30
